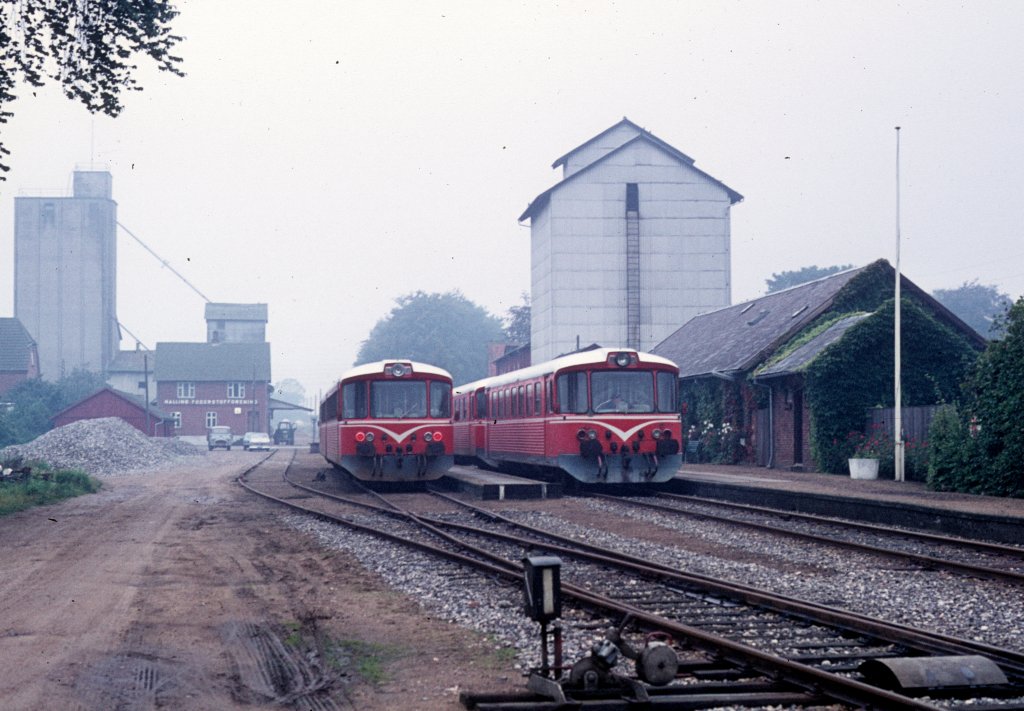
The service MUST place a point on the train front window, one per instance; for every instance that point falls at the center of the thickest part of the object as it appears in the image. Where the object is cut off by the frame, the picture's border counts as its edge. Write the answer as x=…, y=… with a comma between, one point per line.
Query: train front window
x=622, y=391
x=440, y=396
x=572, y=393
x=353, y=400
x=398, y=399
x=666, y=392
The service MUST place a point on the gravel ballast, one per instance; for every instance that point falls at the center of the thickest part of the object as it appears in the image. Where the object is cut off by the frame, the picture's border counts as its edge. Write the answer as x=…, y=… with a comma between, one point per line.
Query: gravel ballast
x=107, y=446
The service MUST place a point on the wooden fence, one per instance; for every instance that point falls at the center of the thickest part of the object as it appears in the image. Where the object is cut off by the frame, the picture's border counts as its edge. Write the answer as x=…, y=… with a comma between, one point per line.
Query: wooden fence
x=915, y=421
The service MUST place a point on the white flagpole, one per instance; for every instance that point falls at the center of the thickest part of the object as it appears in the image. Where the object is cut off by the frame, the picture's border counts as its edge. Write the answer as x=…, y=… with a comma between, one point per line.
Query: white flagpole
x=898, y=409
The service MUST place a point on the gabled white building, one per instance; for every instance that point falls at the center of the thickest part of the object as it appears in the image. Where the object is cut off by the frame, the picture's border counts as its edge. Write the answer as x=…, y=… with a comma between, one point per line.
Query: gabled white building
x=632, y=243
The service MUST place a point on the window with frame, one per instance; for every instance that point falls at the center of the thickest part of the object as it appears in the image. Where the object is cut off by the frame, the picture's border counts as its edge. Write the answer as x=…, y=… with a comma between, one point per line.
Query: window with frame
x=236, y=391
x=353, y=400
x=537, y=399
x=572, y=393
x=211, y=419
x=186, y=391
x=176, y=418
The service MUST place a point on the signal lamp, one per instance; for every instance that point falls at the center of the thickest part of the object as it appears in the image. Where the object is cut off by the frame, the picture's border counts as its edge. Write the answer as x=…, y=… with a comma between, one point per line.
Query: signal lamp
x=438, y=437
x=360, y=436
x=543, y=591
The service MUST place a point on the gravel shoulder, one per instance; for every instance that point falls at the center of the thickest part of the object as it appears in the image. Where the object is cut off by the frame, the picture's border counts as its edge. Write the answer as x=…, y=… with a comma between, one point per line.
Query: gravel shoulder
x=176, y=589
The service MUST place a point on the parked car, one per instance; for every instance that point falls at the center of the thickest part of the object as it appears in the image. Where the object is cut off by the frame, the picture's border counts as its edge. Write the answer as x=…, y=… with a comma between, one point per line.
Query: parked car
x=219, y=436
x=255, y=441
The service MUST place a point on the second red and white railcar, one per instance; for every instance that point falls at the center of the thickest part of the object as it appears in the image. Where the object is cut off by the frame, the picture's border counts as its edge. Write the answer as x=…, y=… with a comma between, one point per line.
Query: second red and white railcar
x=603, y=416
x=389, y=421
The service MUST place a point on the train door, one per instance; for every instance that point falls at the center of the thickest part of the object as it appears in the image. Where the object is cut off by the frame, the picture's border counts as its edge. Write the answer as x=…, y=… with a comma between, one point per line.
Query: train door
x=479, y=429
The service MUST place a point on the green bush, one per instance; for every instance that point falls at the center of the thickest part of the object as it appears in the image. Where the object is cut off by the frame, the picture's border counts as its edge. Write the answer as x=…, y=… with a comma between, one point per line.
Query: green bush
x=946, y=440
x=998, y=389
x=44, y=487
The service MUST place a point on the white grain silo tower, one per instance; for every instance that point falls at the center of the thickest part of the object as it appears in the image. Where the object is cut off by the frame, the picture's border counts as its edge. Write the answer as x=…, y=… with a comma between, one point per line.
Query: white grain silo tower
x=632, y=243
x=65, y=275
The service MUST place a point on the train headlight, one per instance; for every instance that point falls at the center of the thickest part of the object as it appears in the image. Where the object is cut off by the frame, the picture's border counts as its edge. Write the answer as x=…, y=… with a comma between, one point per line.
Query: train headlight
x=428, y=437
x=591, y=434
x=398, y=370
x=369, y=436
x=622, y=359
x=581, y=435
x=656, y=434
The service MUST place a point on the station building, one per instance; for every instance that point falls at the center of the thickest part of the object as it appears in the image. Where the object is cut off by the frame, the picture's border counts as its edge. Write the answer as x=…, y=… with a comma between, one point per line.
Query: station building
x=19, y=358
x=633, y=241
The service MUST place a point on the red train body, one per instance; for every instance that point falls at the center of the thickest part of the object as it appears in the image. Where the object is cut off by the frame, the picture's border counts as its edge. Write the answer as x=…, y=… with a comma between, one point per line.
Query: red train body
x=603, y=416
x=389, y=421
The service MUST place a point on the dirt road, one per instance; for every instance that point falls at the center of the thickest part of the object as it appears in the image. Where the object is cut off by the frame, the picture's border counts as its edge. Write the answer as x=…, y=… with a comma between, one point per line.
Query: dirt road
x=180, y=590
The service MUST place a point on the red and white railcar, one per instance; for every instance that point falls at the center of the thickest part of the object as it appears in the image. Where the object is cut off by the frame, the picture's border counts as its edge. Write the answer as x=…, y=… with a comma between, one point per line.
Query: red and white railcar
x=603, y=416
x=389, y=421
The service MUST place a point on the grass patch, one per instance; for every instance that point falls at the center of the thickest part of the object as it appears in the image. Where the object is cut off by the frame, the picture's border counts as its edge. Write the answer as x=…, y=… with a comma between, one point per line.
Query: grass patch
x=367, y=659
x=44, y=486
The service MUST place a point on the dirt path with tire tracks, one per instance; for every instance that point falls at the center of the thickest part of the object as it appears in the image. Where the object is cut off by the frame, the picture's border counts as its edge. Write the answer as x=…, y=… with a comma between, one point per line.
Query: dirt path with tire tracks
x=179, y=590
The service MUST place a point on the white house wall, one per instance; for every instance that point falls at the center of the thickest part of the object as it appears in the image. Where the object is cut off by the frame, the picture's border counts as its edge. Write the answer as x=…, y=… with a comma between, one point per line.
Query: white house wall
x=598, y=148
x=579, y=251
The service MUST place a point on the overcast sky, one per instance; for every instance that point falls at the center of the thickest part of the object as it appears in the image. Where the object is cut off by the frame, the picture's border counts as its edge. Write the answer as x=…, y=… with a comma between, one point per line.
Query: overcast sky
x=328, y=157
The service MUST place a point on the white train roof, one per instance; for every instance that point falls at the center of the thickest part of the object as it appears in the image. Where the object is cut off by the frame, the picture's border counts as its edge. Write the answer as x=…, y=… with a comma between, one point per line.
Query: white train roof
x=377, y=368
x=598, y=356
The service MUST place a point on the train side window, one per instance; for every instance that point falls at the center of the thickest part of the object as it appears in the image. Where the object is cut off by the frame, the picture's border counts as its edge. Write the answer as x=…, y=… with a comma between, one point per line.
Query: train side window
x=481, y=404
x=550, y=396
x=522, y=400
x=536, y=399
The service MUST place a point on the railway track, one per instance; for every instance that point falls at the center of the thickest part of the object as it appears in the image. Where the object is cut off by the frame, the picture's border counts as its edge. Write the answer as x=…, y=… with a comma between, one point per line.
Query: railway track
x=924, y=551
x=785, y=651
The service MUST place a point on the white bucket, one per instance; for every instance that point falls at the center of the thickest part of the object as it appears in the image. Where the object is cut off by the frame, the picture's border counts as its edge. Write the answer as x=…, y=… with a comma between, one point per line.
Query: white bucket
x=863, y=468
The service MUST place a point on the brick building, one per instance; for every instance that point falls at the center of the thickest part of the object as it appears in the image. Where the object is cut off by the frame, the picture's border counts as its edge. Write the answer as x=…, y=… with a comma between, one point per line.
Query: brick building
x=19, y=358
x=201, y=385
x=108, y=402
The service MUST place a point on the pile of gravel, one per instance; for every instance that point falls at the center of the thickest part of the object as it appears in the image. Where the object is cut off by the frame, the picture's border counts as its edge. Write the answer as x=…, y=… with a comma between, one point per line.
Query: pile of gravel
x=102, y=447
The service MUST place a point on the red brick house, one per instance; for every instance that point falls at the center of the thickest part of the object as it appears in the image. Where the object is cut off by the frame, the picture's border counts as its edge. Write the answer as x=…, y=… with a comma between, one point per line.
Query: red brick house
x=201, y=385
x=108, y=402
x=19, y=356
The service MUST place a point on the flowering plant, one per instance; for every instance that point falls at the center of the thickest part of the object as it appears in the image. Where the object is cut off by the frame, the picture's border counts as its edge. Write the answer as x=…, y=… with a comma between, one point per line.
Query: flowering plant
x=876, y=444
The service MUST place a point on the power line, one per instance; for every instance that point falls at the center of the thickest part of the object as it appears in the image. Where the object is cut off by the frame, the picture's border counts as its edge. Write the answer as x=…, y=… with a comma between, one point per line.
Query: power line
x=164, y=262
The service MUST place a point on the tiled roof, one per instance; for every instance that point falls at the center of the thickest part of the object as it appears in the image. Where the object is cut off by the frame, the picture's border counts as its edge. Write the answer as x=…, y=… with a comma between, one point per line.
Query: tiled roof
x=133, y=399
x=236, y=312
x=737, y=338
x=802, y=356
x=132, y=362
x=15, y=345
x=206, y=362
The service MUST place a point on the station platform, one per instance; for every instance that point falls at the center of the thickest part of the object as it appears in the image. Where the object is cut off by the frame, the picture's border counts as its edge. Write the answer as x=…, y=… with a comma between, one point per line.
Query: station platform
x=495, y=486
x=879, y=501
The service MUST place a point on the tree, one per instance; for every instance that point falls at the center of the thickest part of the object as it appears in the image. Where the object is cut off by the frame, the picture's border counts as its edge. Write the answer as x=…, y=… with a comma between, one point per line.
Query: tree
x=290, y=390
x=447, y=330
x=36, y=401
x=517, y=323
x=980, y=307
x=784, y=280
x=86, y=47
x=998, y=388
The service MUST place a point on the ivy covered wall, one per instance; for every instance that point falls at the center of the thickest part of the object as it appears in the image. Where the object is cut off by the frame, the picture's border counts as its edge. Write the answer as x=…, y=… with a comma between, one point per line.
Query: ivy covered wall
x=857, y=372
